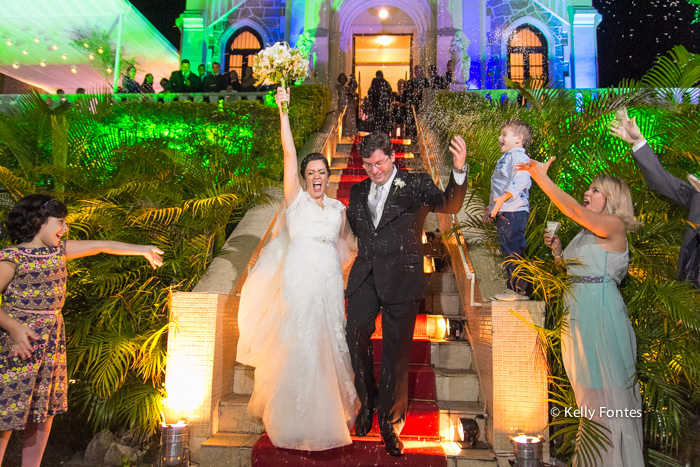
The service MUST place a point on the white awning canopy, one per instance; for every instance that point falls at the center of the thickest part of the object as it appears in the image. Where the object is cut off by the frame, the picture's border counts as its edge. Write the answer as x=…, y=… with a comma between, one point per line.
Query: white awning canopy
x=37, y=36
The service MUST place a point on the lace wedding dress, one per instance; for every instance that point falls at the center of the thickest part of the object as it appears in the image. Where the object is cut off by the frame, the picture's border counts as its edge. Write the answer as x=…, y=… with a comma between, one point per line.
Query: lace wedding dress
x=292, y=330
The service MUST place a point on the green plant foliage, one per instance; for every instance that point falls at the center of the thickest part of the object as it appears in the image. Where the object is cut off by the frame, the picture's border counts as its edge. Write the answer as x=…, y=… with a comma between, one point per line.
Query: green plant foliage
x=178, y=176
x=573, y=127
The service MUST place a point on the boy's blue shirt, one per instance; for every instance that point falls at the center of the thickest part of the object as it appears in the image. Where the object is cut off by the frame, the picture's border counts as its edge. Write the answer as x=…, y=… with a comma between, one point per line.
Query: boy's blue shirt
x=505, y=178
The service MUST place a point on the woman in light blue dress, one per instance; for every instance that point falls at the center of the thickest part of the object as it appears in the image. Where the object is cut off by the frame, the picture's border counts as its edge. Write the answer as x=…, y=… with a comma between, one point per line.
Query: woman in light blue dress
x=599, y=347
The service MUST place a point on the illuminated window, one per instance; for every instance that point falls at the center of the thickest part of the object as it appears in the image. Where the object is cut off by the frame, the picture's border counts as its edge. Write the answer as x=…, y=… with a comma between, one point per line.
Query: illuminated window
x=240, y=50
x=527, y=54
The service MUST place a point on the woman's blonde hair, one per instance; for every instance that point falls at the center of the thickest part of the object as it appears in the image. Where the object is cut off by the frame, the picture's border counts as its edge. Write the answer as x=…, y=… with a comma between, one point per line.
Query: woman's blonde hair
x=618, y=199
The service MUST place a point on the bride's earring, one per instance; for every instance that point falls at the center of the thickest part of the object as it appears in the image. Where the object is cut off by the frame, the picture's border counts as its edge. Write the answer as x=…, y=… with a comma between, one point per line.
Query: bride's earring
x=328, y=183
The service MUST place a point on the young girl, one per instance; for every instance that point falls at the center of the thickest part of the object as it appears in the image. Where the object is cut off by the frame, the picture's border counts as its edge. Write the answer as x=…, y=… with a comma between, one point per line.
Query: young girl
x=33, y=386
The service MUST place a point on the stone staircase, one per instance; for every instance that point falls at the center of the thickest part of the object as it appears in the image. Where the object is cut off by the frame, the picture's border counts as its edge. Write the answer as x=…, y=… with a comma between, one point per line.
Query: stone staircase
x=456, y=381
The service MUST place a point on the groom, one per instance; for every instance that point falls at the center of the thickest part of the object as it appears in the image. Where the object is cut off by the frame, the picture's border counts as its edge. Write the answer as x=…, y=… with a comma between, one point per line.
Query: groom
x=386, y=213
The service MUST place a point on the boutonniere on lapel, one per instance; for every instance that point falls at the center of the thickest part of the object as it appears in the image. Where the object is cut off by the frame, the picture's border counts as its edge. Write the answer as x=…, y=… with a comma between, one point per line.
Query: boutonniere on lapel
x=398, y=183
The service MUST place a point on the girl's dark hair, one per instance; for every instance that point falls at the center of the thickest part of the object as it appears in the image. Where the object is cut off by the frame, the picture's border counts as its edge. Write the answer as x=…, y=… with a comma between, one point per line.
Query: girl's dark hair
x=31, y=212
x=314, y=156
x=342, y=79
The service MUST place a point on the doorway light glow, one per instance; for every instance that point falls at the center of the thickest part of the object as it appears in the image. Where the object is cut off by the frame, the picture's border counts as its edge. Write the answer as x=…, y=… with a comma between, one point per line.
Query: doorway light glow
x=384, y=40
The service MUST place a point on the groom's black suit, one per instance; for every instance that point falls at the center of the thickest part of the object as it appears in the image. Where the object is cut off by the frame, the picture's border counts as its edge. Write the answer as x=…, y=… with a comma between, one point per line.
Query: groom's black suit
x=388, y=274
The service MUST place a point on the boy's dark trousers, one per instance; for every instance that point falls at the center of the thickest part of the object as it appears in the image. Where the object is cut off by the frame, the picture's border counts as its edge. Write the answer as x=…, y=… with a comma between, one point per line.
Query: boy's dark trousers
x=511, y=236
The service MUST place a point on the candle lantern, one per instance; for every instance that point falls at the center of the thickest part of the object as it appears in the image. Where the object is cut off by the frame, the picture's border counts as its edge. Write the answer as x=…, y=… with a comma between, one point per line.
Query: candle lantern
x=174, y=449
x=527, y=450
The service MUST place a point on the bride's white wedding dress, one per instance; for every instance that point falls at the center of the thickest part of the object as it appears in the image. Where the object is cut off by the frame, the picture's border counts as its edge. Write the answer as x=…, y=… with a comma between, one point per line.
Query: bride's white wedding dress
x=292, y=330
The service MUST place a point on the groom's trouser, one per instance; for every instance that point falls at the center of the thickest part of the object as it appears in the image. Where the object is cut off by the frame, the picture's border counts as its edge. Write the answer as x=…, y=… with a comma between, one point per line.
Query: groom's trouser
x=398, y=321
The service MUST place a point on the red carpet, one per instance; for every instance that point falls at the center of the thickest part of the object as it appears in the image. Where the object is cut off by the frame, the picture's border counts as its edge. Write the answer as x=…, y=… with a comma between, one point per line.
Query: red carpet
x=420, y=434
x=362, y=452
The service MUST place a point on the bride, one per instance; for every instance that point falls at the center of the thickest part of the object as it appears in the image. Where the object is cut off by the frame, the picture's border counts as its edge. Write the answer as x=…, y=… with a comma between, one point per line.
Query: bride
x=292, y=314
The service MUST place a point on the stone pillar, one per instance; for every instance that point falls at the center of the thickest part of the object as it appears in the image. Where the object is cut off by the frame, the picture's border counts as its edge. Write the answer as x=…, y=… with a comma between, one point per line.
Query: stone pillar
x=192, y=46
x=584, y=46
x=449, y=20
x=296, y=9
x=474, y=27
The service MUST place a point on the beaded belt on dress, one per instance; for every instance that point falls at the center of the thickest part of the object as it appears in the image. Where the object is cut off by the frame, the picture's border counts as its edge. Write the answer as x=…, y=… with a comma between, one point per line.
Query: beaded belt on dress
x=586, y=279
x=38, y=312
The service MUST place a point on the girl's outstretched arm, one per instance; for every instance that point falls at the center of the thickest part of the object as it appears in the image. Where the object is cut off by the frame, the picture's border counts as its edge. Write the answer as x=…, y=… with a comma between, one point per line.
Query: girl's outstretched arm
x=19, y=333
x=81, y=248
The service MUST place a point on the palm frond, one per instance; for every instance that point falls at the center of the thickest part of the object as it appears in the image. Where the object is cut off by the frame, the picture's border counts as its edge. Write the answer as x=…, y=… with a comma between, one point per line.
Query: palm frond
x=16, y=186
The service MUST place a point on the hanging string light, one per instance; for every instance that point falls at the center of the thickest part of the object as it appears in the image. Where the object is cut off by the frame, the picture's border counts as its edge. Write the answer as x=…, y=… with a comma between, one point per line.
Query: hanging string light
x=73, y=69
x=15, y=65
x=42, y=63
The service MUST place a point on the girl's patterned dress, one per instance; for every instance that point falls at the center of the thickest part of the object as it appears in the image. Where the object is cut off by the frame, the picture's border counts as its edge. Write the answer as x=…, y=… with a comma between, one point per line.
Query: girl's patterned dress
x=34, y=388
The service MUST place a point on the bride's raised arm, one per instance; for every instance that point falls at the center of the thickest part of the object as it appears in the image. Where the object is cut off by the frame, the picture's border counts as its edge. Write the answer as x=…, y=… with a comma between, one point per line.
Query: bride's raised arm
x=291, y=178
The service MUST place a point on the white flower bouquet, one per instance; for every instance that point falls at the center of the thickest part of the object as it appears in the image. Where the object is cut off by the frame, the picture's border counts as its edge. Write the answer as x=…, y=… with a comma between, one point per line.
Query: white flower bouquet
x=280, y=64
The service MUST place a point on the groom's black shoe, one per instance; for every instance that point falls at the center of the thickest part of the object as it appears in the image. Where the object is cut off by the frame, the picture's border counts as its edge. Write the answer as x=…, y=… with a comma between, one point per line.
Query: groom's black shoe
x=363, y=422
x=393, y=444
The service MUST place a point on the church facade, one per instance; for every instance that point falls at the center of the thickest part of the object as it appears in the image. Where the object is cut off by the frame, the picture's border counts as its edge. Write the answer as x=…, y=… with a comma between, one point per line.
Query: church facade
x=481, y=41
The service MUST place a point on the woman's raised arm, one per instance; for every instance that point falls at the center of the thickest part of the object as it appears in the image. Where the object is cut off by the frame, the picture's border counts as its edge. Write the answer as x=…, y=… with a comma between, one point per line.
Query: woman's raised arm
x=291, y=179
x=602, y=225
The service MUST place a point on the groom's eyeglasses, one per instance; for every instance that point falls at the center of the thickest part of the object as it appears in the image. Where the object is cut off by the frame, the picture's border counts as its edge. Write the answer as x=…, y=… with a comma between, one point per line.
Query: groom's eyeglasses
x=376, y=165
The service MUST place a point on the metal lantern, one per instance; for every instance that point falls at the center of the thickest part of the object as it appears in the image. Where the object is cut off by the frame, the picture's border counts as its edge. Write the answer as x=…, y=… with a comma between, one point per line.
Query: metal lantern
x=527, y=450
x=174, y=449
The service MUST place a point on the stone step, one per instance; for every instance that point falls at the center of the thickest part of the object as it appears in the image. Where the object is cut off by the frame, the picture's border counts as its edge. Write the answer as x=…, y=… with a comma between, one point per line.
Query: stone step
x=447, y=304
x=451, y=355
x=234, y=418
x=243, y=379
x=458, y=457
x=452, y=411
x=227, y=450
x=441, y=282
x=456, y=385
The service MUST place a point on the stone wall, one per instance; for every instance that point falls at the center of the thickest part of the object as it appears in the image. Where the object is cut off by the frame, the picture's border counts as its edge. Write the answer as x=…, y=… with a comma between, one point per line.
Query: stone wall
x=503, y=13
x=269, y=14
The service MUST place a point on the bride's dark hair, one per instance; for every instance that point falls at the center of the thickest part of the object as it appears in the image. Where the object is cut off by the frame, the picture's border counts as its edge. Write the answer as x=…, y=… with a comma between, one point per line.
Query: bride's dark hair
x=314, y=156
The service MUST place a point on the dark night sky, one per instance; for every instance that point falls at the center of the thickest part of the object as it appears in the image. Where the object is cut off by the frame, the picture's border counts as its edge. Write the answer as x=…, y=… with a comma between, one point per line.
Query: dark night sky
x=633, y=32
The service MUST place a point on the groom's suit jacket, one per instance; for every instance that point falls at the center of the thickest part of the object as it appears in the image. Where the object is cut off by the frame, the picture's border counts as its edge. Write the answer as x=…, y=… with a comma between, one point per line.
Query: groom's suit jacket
x=394, y=249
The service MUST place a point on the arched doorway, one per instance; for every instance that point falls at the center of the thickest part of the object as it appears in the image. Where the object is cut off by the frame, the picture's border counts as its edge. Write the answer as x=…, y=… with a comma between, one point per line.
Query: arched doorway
x=390, y=53
x=527, y=54
x=370, y=39
x=243, y=45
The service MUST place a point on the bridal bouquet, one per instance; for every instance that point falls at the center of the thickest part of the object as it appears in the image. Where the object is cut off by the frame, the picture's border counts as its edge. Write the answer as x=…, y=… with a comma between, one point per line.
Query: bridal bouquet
x=280, y=64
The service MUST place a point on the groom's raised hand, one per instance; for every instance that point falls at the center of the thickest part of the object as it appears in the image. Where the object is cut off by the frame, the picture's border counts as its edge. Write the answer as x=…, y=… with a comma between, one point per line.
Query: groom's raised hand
x=458, y=148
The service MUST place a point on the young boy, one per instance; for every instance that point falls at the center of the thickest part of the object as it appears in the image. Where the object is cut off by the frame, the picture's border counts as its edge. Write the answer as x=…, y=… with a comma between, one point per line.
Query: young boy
x=509, y=203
